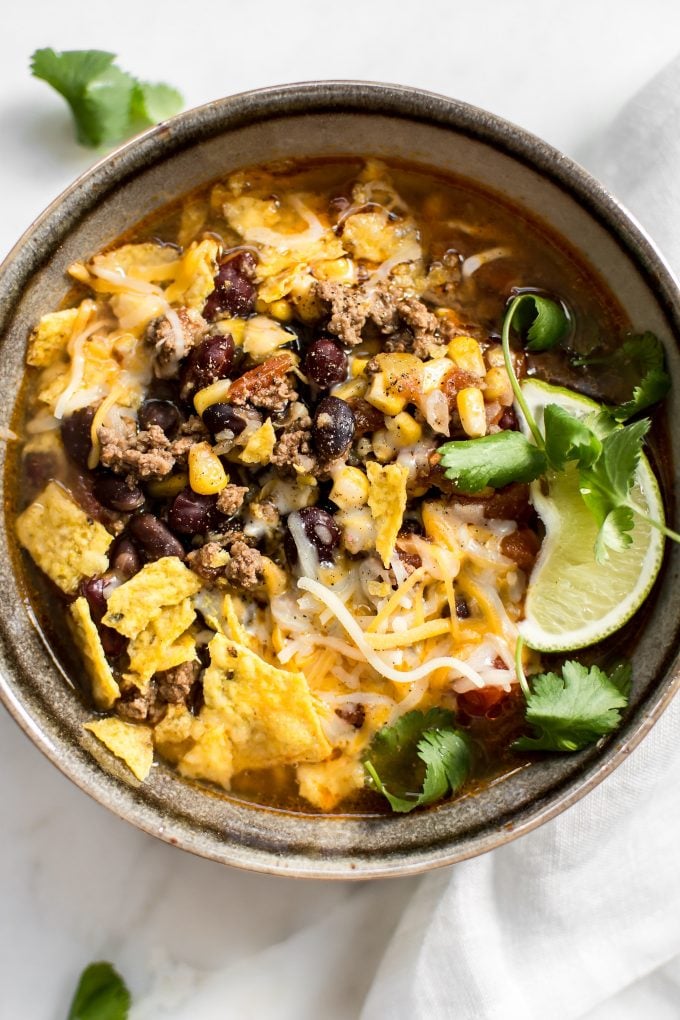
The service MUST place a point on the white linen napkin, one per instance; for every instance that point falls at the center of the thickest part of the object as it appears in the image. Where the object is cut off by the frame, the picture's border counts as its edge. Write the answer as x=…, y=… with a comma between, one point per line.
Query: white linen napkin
x=580, y=919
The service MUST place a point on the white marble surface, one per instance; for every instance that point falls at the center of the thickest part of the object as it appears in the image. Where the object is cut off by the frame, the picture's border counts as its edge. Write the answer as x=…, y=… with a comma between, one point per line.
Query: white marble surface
x=77, y=883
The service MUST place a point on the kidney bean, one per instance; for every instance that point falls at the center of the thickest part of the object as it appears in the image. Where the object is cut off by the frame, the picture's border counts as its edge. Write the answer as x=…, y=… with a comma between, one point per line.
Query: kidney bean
x=210, y=361
x=155, y=537
x=162, y=413
x=333, y=429
x=325, y=363
x=320, y=529
x=234, y=291
x=75, y=435
x=219, y=417
x=124, y=558
x=115, y=493
x=191, y=513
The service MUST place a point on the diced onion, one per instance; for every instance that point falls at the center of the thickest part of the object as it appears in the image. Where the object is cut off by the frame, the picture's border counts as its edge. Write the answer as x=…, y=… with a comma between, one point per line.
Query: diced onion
x=475, y=262
x=308, y=559
x=437, y=412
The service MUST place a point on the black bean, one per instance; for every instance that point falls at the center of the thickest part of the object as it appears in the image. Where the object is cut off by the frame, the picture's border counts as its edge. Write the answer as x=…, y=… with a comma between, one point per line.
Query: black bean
x=210, y=361
x=325, y=363
x=462, y=608
x=75, y=435
x=333, y=429
x=234, y=291
x=411, y=526
x=124, y=558
x=113, y=643
x=508, y=420
x=115, y=493
x=155, y=538
x=219, y=417
x=191, y=513
x=162, y=413
x=320, y=529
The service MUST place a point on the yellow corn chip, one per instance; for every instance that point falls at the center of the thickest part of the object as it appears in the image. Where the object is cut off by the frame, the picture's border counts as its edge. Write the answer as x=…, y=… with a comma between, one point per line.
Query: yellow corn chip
x=260, y=446
x=326, y=783
x=162, y=644
x=64, y=542
x=132, y=743
x=195, y=277
x=210, y=758
x=105, y=690
x=50, y=337
x=142, y=599
x=387, y=500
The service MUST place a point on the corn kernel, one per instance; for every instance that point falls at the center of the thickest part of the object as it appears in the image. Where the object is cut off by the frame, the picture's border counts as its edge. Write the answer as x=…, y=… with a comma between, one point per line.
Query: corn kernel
x=498, y=386
x=277, y=638
x=206, y=474
x=350, y=488
x=384, y=446
x=339, y=270
x=352, y=388
x=404, y=429
x=263, y=337
x=358, y=529
x=470, y=403
x=434, y=373
x=388, y=403
x=358, y=366
x=216, y=393
x=235, y=327
x=307, y=305
x=467, y=354
x=281, y=310
x=275, y=579
x=162, y=488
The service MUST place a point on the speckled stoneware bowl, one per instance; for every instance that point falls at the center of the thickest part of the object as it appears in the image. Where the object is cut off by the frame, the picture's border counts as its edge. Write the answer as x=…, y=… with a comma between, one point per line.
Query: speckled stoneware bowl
x=331, y=118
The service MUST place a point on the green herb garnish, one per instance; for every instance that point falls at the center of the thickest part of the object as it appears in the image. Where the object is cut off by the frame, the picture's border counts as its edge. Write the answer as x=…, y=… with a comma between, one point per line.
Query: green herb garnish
x=574, y=708
x=423, y=750
x=107, y=104
x=605, y=452
x=101, y=995
x=644, y=356
x=542, y=321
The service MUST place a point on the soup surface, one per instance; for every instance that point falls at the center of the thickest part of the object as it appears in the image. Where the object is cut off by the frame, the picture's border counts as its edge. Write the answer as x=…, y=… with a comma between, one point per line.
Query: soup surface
x=251, y=562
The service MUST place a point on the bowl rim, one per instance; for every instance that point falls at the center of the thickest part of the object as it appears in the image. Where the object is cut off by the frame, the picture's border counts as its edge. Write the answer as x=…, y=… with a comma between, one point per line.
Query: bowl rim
x=410, y=104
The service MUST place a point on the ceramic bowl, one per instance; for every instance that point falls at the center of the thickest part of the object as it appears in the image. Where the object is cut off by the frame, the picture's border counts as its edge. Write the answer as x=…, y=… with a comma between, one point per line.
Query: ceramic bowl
x=327, y=118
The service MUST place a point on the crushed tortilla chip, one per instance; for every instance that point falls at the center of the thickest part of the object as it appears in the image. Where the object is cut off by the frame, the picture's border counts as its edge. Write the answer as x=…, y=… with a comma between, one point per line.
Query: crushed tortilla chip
x=325, y=784
x=260, y=446
x=50, y=337
x=132, y=743
x=235, y=629
x=148, y=261
x=154, y=648
x=387, y=500
x=210, y=758
x=64, y=542
x=172, y=735
x=134, y=605
x=195, y=277
x=105, y=690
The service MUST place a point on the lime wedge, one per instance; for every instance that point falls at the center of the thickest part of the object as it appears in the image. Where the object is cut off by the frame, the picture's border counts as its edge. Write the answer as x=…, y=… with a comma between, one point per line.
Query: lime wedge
x=573, y=601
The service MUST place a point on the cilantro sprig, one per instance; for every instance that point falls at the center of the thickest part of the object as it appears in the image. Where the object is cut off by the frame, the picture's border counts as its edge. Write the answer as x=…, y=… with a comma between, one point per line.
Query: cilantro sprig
x=605, y=452
x=101, y=995
x=642, y=356
x=572, y=709
x=107, y=104
x=420, y=750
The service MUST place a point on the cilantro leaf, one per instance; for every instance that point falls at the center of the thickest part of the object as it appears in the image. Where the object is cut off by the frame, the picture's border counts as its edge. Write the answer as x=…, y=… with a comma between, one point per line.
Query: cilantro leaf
x=107, y=104
x=568, y=438
x=421, y=749
x=652, y=388
x=540, y=320
x=493, y=460
x=573, y=709
x=642, y=356
x=101, y=995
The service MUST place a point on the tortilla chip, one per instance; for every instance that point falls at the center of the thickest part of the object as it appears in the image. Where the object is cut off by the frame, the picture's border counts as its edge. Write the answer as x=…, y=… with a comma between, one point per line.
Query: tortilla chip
x=210, y=758
x=146, y=261
x=64, y=542
x=327, y=783
x=268, y=714
x=172, y=735
x=50, y=337
x=141, y=600
x=387, y=500
x=105, y=690
x=162, y=644
x=195, y=278
x=130, y=742
x=260, y=446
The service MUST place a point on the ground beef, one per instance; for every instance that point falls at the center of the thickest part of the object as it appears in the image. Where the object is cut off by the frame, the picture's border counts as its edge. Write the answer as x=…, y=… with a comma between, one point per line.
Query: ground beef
x=245, y=569
x=230, y=499
x=191, y=431
x=265, y=386
x=174, y=685
x=209, y=562
x=137, y=706
x=161, y=333
x=352, y=713
x=293, y=452
x=408, y=323
x=144, y=454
